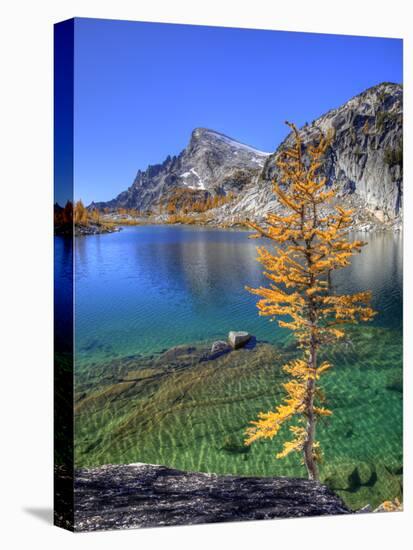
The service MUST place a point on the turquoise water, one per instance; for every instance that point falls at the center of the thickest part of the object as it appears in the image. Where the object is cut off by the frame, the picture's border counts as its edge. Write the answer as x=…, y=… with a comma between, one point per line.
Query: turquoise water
x=148, y=288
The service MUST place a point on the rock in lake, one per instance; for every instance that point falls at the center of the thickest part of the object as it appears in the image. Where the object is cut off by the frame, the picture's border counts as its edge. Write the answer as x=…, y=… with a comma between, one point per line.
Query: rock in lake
x=238, y=339
x=220, y=346
x=147, y=495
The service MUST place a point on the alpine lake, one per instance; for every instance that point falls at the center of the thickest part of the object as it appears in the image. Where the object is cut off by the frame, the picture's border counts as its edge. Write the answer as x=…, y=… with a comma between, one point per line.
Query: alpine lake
x=149, y=303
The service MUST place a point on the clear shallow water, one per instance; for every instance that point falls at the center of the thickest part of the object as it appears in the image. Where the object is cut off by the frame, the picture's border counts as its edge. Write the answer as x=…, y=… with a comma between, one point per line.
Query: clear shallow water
x=149, y=288
x=192, y=416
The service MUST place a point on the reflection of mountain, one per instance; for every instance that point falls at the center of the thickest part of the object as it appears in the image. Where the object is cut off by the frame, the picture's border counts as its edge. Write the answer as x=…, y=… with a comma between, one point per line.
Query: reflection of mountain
x=201, y=265
x=209, y=270
x=379, y=269
x=148, y=288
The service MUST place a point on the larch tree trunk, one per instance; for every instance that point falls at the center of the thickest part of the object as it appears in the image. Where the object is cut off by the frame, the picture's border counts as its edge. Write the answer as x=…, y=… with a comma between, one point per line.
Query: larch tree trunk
x=308, y=448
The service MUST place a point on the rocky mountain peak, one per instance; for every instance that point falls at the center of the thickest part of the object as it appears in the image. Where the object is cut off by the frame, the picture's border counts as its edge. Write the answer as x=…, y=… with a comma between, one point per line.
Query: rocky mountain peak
x=200, y=133
x=212, y=164
x=364, y=161
x=212, y=138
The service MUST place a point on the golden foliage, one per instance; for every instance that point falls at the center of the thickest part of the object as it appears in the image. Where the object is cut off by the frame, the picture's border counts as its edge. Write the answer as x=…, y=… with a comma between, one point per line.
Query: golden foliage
x=85, y=216
x=309, y=245
x=81, y=214
x=64, y=216
x=391, y=506
x=188, y=219
x=190, y=201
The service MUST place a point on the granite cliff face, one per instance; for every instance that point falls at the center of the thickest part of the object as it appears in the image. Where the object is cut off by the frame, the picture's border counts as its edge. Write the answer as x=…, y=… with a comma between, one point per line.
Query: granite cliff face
x=212, y=163
x=364, y=161
x=147, y=495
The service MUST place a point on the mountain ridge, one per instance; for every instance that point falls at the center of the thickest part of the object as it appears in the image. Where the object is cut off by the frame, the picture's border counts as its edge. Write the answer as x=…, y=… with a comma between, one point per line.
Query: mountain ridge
x=210, y=164
x=364, y=162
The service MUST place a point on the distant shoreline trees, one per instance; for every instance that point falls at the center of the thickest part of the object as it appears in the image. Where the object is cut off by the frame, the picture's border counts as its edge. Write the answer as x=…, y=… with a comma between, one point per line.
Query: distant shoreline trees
x=190, y=201
x=310, y=243
x=79, y=215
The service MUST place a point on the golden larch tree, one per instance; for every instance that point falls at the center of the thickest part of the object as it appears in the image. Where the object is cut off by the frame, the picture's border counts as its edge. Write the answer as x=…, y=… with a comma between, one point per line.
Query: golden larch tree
x=81, y=213
x=310, y=242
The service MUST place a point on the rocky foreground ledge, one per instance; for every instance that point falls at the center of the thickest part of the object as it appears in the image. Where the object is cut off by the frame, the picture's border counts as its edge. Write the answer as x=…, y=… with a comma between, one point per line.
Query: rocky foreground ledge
x=146, y=495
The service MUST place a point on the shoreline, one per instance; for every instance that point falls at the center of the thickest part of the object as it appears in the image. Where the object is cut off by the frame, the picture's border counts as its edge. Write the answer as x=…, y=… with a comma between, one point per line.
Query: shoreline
x=85, y=231
x=167, y=496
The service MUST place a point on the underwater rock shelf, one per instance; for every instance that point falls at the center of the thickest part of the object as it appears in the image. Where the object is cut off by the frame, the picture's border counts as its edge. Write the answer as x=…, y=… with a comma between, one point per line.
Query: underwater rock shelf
x=146, y=495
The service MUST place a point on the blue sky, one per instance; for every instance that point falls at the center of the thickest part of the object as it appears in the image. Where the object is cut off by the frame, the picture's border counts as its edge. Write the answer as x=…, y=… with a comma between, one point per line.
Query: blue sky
x=141, y=88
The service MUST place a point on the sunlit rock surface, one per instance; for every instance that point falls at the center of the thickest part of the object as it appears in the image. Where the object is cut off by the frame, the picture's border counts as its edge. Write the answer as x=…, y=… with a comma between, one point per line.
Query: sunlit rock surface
x=145, y=495
x=211, y=164
x=364, y=162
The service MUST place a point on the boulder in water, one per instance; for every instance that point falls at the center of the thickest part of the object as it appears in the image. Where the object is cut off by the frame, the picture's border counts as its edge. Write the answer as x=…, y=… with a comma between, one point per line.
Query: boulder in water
x=238, y=339
x=218, y=348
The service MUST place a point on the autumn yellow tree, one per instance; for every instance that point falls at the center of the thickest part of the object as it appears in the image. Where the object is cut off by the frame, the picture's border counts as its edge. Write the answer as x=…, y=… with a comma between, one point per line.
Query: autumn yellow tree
x=81, y=214
x=94, y=215
x=311, y=241
x=171, y=207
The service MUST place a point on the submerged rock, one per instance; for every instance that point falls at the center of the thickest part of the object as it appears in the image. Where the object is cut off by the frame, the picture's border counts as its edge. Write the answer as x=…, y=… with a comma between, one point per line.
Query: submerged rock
x=146, y=495
x=238, y=339
x=218, y=348
x=219, y=345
